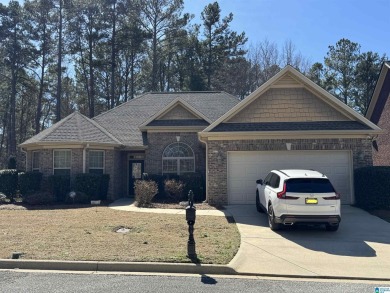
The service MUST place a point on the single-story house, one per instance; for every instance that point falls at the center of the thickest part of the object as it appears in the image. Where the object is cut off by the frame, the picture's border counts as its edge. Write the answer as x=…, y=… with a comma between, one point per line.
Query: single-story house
x=378, y=112
x=289, y=122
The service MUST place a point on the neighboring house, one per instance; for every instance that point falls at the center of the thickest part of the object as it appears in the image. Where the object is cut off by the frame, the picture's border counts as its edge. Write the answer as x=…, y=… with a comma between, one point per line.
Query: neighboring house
x=289, y=122
x=379, y=113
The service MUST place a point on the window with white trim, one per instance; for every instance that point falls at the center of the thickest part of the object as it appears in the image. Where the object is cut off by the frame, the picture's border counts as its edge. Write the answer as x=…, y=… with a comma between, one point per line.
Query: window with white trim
x=62, y=162
x=35, y=161
x=96, y=162
x=178, y=158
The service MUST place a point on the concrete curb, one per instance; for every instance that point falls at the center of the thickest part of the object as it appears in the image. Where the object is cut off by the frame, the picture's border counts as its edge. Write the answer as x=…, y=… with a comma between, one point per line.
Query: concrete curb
x=101, y=266
x=152, y=267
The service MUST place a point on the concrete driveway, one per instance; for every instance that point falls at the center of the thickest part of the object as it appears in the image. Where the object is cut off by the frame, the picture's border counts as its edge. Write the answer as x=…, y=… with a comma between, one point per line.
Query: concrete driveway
x=359, y=249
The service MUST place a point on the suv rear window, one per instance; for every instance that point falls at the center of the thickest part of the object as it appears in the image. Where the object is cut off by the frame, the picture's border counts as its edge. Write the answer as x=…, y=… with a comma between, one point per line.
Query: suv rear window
x=309, y=185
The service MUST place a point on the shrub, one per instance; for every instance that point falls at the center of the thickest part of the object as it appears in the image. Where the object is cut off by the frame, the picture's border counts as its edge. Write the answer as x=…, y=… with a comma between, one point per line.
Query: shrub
x=88, y=184
x=104, y=183
x=372, y=187
x=94, y=185
x=160, y=179
x=29, y=182
x=145, y=190
x=79, y=197
x=9, y=182
x=12, y=163
x=39, y=198
x=196, y=183
x=60, y=186
x=192, y=181
x=3, y=198
x=174, y=189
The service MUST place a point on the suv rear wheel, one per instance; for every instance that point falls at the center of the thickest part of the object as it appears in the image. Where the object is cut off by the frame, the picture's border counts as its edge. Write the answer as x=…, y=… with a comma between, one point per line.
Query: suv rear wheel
x=271, y=219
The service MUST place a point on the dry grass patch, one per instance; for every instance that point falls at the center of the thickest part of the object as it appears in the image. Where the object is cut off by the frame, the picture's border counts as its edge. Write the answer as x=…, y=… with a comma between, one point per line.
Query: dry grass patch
x=89, y=234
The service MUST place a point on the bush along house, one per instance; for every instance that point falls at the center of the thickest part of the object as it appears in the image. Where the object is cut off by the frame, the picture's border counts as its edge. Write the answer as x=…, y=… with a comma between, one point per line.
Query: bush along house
x=289, y=122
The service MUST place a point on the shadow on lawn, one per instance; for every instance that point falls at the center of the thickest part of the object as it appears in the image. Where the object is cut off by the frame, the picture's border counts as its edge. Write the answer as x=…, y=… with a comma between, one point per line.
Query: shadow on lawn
x=56, y=206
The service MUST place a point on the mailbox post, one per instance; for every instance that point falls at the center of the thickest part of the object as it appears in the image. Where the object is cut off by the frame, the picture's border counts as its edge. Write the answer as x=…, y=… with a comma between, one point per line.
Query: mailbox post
x=190, y=218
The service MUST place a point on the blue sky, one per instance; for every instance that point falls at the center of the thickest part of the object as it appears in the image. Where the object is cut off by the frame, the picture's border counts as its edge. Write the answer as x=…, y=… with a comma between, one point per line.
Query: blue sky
x=312, y=25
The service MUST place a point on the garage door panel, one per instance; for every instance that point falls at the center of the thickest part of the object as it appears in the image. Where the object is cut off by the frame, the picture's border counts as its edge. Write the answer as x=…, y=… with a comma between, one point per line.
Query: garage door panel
x=244, y=168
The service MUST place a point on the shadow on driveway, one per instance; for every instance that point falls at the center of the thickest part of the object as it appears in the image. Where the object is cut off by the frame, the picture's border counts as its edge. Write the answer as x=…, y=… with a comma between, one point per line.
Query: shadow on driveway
x=357, y=230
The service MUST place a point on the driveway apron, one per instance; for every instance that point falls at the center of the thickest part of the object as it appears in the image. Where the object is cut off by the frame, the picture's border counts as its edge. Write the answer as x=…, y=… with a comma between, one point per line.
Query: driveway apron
x=359, y=249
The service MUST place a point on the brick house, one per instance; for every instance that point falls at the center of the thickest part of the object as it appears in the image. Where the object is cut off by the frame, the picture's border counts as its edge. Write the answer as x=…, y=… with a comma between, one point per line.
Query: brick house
x=289, y=122
x=378, y=112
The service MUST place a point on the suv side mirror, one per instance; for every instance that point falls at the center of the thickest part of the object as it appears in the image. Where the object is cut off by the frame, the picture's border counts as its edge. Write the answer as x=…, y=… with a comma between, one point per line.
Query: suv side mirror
x=259, y=182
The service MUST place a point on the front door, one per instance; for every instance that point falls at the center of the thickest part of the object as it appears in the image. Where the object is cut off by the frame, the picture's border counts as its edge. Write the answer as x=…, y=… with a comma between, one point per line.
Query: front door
x=136, y=169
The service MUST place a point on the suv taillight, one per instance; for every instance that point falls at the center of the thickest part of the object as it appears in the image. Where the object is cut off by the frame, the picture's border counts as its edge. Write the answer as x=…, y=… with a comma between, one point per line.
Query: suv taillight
x=282, y=194
x=337, y=196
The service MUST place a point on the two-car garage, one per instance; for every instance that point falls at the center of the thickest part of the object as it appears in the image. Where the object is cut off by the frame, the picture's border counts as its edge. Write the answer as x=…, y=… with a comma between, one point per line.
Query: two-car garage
x=245, y=167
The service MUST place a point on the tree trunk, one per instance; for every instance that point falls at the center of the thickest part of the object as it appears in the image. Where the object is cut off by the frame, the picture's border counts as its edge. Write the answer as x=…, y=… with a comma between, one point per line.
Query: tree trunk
x=59, y=67
x=154, y=56
x=91, y=80
x=38, y=114
x=113, y=56
x=132, y=82
x=209, y=61
x=12, y=115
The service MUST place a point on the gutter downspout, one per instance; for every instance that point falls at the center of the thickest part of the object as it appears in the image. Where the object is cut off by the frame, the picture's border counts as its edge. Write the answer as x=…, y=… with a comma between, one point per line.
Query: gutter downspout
x=207, y=167
x=85, y=157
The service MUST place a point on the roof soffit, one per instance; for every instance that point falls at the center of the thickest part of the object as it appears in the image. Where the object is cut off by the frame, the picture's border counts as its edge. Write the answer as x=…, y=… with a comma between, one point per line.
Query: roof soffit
x=385, y=71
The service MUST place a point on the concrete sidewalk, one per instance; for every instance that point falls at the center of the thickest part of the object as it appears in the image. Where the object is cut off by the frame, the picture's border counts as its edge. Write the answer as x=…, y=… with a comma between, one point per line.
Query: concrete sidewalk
x=359, y=250
x=127, y=204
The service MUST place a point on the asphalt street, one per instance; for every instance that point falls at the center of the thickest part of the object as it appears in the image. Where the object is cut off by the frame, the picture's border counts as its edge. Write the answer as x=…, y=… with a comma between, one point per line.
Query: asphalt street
x=16, y=281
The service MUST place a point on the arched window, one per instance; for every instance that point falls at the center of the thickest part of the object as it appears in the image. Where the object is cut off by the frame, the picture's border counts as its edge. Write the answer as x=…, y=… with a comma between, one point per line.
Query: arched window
x=178, y=158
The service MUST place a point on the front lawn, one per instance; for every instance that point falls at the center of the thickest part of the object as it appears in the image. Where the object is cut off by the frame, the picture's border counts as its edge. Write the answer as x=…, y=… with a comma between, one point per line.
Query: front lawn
x=89, y=234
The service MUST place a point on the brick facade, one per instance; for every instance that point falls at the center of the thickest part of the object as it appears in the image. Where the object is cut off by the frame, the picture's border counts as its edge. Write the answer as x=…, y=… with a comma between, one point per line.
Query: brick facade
x=112, y=166
x=382, y=156
x=217, y=157
x=157, y=142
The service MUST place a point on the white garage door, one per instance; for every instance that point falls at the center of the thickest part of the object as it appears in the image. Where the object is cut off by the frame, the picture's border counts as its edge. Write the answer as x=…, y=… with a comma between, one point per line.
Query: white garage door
x=244, y=168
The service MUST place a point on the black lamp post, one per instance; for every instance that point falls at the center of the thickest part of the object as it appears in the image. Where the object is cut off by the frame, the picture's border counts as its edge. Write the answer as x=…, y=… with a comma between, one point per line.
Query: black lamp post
x=190, y=218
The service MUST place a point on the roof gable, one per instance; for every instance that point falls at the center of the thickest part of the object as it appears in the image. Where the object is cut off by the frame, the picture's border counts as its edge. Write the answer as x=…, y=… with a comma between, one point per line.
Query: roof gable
x=287, y=81
x=381, y=94
x=178, y=109
x=288, y=85
x=287, y=105
x=178, y=112
x=75, y=128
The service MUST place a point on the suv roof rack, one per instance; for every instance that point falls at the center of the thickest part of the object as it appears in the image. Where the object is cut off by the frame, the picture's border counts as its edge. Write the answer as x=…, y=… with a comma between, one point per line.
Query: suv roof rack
x=284, y=173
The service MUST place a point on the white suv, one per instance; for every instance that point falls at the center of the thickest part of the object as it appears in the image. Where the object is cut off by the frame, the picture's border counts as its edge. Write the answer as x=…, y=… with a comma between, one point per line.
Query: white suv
x=298, y=196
